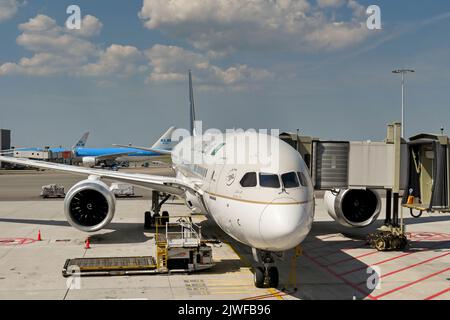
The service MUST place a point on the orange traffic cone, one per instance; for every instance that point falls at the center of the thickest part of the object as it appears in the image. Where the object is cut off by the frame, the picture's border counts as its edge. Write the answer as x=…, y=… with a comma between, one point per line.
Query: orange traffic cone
x=87, y=244
x=39, y=236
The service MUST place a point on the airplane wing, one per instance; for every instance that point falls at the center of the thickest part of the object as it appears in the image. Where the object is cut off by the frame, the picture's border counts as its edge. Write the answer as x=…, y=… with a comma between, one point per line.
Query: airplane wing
x=164, y=184
x=160, y=151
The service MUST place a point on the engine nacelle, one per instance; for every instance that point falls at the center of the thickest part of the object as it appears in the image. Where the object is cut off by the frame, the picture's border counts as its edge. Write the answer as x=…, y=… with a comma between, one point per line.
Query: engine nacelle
x=89, y=162
x=353, y=207
x=89, y=205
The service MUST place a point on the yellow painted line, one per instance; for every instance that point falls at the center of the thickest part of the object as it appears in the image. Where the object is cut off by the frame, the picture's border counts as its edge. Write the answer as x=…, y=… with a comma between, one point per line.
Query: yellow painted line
x=258, y=202
x=275, y=293
x=243, y=259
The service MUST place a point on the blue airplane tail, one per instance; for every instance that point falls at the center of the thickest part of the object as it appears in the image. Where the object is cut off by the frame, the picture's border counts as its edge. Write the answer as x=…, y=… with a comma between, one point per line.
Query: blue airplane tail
x=82, y=142
x=165, y=142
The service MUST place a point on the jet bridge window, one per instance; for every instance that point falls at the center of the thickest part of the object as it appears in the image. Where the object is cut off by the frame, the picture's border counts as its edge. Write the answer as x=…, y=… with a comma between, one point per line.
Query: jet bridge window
x=268, y=180
x=290, y=180
x=249, y=180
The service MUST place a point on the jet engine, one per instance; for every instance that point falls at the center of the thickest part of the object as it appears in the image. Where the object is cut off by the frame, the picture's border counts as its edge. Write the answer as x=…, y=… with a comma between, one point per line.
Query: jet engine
x=353, y=207
x=89, y=205
x=89, y=162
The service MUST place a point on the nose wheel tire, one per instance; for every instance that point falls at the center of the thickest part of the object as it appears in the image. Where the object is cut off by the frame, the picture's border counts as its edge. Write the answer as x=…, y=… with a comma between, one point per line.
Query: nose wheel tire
x=266, y=278
x=273, y=277
x=258, y=277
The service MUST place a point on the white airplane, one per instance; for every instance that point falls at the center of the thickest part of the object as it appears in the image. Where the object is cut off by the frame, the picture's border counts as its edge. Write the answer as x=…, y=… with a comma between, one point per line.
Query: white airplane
x=269, y=208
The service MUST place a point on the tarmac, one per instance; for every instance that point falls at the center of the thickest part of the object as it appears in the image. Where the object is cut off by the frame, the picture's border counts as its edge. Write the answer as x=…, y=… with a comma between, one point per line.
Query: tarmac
x=335, y=262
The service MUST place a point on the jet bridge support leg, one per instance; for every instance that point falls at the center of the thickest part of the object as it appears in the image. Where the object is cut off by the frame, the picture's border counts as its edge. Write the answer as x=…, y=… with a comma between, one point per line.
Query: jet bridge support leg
x=158, y=199
x=391, y=235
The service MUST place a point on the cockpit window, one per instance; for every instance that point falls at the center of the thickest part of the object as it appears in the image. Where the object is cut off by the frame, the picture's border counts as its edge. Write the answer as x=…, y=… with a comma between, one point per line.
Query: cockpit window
x=290, y=180
x=268, y=180
x=302, y=178
x=249, y=180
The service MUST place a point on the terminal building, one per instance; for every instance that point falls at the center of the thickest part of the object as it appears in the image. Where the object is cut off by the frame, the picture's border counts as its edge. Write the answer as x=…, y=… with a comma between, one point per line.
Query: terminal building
x=5, y=141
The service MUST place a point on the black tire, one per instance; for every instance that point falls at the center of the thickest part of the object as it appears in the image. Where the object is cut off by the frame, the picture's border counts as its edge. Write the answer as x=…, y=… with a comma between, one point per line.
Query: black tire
x=258, y=277
x=273, y=277
x=148, y=220
x=164, y=218
x=415, y=215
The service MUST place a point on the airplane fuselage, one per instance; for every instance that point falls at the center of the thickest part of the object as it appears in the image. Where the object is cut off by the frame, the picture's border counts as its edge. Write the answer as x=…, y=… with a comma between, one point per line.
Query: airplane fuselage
x=266, y=215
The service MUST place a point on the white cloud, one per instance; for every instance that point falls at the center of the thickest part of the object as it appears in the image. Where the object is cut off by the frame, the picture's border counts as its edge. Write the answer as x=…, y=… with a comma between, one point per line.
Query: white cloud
x=8, y=9
x=231, y=25
x=117, y=59
x=90, y=26
x=171, y=63
x=330, y=3
x=58, y=50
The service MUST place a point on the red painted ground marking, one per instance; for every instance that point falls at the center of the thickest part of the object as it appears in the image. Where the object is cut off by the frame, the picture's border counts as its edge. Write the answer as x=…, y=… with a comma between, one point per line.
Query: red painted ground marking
x=429, y=235
x=15, y=241
x=395, y=258
x=411, y=266
x=412, y=283
x=334, y=251
x=352, y=258
x=370, y=253
x=349, y=283
x=440, y=293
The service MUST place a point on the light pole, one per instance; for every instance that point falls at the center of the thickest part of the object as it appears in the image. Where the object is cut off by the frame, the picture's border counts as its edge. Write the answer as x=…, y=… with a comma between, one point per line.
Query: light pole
x=403, y=72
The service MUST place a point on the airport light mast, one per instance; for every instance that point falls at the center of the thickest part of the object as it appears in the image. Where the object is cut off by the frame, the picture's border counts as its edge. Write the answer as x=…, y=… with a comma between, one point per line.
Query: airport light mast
x=403, y=72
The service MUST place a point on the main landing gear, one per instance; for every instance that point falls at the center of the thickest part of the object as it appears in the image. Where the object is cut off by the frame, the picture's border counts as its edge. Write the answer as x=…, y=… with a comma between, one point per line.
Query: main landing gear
x=266, y=276
x=151, y=218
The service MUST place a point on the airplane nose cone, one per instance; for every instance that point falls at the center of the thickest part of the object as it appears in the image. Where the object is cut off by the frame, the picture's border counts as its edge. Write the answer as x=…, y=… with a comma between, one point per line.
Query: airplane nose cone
x=283, y=226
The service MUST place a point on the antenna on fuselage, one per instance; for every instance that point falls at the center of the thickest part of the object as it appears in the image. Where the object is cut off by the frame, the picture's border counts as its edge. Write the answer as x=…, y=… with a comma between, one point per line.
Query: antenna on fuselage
x=192, y=105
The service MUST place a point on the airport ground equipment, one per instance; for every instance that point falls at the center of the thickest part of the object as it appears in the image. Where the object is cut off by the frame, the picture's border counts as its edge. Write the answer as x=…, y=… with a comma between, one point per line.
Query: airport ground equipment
x=179, y=248
x=122, y=190
x=53, y=191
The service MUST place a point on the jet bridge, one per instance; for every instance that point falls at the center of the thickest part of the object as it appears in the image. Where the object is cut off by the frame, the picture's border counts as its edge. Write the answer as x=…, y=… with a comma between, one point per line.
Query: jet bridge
x=353, y=164
x=428, y=177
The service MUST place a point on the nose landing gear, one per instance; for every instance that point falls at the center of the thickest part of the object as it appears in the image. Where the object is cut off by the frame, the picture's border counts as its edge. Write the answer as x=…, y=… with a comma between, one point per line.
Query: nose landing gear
x=266, y=276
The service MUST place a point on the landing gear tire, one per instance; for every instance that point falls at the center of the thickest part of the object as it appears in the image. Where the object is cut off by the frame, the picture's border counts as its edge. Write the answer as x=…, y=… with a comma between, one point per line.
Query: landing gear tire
x=273, y=277
x=258, y=277
x=165, y=218
x=148, y=220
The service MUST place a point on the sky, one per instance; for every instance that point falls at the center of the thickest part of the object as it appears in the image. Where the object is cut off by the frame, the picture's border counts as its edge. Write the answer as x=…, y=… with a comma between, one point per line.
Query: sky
x=311, y=65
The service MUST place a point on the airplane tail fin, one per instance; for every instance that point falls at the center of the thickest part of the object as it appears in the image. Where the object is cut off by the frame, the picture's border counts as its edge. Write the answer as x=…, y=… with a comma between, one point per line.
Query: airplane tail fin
x=82, y=142
x=165, y=142
x=192, y=106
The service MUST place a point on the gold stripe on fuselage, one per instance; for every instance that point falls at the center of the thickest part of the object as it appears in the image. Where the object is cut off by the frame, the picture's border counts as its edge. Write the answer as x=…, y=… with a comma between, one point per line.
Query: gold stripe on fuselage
x=258, y=202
